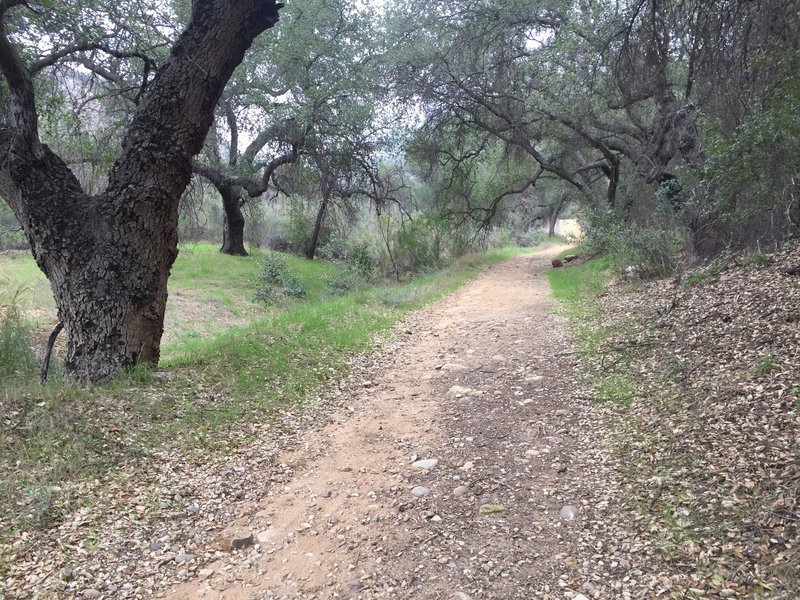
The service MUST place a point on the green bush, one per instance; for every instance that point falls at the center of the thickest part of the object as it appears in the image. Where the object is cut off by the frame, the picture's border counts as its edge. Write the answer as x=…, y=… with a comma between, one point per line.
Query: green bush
x=269, y=295
x=17, y=359
x=293, y=286
x=529, y=238
x=650, y=250
x=501, y=237
x=418, y=246
x=360, y=260
x=274, y=268
x=345, y=280
x=277, y=281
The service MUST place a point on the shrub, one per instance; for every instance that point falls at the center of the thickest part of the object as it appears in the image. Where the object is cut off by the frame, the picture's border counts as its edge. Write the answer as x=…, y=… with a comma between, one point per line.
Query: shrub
x=529, y=238
x=650, y=250
x=274, y=268
x=418, y=245
x=275, y=241
x=360, y=260
x=276, y=281
x=293, y=286
x=269, y=295
x=345, y=280
x=501, y=237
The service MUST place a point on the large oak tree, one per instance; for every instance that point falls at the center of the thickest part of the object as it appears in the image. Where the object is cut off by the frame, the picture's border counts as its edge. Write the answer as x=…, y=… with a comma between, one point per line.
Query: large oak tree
x=108, y=255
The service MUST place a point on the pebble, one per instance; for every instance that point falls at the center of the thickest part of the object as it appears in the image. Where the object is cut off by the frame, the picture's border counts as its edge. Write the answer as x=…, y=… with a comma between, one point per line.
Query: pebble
x=355, y=584
x=91, y=593
x=264, y=536
x=459, y=391
x=461, y=490
x=426, y=463
x=193, y=508
x=156, y=546
x=241, y=538
x=454, y=367
x=419, y=491
x=579, y=597
x=460, y=596
x=569, y=512
x=183, y=557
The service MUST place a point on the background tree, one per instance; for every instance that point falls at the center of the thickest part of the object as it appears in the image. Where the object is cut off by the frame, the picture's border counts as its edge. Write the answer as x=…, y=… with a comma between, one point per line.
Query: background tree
x=613, y=98
x=307, y=92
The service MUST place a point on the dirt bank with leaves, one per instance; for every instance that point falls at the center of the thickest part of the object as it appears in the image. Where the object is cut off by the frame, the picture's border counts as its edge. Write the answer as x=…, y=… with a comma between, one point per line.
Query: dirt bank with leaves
x=703, y=380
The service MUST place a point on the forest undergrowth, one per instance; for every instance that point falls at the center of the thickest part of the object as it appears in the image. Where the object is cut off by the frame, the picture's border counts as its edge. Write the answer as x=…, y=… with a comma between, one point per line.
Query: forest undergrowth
x=698, y=376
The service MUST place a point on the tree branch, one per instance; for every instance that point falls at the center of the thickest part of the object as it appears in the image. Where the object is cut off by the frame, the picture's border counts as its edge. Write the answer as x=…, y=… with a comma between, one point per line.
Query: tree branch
x=22, y=107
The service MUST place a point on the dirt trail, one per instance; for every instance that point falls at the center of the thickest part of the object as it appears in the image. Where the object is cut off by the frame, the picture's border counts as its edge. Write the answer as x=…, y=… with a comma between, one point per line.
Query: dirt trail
x=481, y=384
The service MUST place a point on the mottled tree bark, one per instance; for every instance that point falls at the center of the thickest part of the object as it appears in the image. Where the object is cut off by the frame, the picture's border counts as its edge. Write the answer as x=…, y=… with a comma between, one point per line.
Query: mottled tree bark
x=233, y=221
x=312, y=245
x=552, y=219
x=108, y=256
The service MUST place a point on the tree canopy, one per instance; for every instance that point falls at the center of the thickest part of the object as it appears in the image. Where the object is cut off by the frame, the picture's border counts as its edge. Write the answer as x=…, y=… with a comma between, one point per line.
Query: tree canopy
x=665, y=122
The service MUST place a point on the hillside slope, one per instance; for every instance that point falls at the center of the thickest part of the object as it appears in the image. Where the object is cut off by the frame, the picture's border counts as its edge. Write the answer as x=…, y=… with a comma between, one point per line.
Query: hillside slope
x=708, y=425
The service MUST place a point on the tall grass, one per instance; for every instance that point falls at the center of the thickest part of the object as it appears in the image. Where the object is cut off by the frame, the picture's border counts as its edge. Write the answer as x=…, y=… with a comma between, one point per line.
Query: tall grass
x=17, y=360
x=577, y=288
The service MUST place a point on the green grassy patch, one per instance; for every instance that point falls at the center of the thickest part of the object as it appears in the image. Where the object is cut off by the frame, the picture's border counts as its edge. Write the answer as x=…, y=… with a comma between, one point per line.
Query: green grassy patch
x=577, y=288
x=22, y=282
x=765, y=365
x=617, y=388
x=576, y=285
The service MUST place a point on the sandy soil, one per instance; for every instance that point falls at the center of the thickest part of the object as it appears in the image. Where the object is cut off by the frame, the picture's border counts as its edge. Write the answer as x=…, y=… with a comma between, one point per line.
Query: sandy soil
x=481, y=384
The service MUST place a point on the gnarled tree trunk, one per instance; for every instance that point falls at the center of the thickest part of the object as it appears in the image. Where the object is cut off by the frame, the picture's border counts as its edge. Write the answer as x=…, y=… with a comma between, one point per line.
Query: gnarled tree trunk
x=233, y=221
x=321, y=211
x=108, y=256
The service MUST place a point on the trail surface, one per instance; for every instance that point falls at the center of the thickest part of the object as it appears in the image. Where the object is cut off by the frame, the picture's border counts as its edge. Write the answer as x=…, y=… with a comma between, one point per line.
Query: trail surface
x=479, y=391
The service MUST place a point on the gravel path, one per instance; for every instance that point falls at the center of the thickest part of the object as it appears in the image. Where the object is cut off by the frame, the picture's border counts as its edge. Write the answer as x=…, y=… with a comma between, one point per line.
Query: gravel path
x=461, y=469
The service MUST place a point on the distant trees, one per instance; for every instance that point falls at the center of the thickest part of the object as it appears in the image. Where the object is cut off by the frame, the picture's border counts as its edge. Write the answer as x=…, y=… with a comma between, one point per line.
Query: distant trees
x=108, y=255
x=617, y=100
x=307, y=95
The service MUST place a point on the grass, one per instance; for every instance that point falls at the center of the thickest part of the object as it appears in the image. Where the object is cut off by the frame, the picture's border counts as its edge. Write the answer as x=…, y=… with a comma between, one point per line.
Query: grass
x=574, y=285
x=765, y=365
x=577, y=287
x=210, y=386
x=23, y=282
x=617, y=388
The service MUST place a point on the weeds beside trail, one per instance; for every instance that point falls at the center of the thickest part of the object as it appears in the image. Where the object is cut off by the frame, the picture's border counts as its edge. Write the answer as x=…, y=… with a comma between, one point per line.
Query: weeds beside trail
x=208, y=386
x=698, y=378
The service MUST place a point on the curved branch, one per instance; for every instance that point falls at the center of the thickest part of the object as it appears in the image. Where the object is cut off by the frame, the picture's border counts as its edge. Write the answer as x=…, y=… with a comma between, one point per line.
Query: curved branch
x=22, y=107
